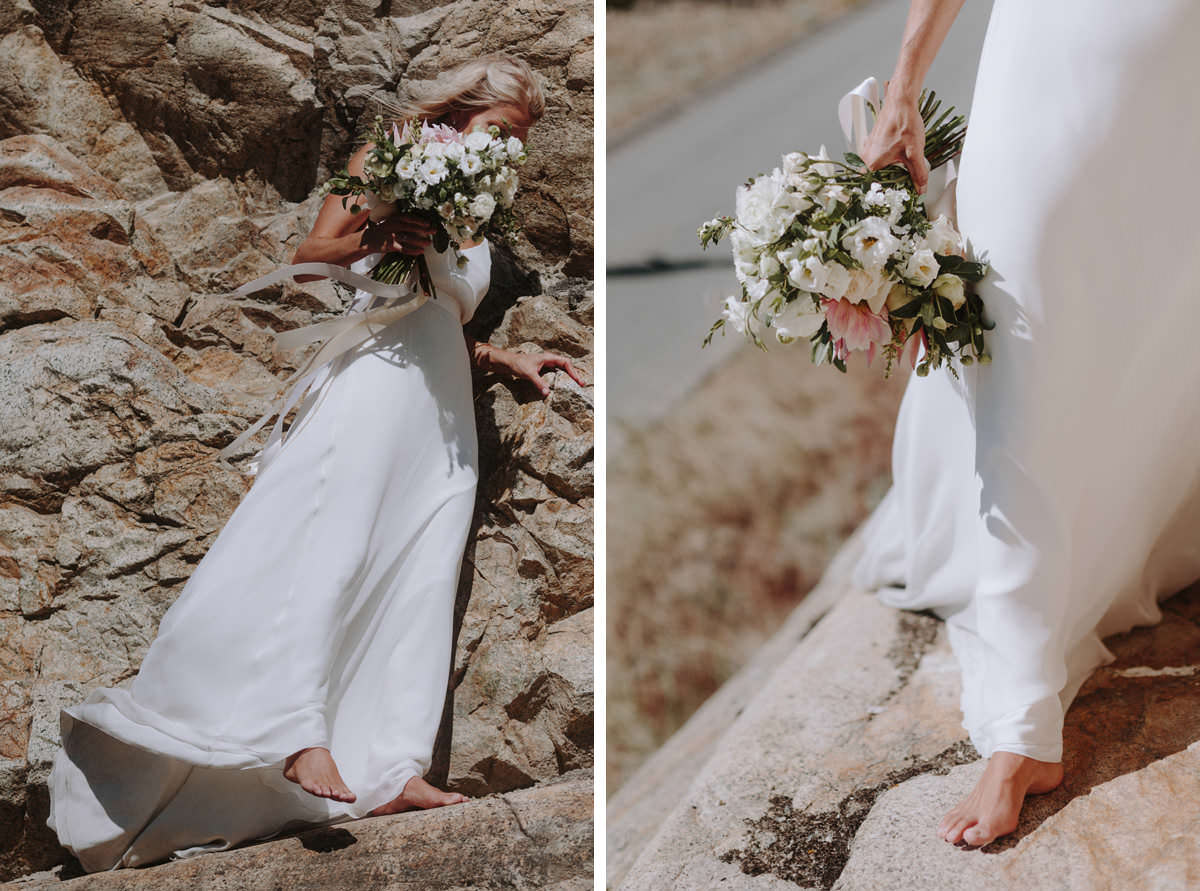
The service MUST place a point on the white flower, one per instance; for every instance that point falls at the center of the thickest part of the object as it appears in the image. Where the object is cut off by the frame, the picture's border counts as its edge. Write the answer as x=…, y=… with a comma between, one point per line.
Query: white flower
x=483, y=206
x=745, y=254
x=433, y=170
x=446, y=210
x=477, y=140
x=832, y=196
x=454, y=152
x=406, y=167
x=827, y=279
x=874, y=196
x=950, y=286
x=767, y=265
x=868, y=287
x=788, y=254
x=896, y=201
x=759, y=210
x=793, y=162
x=514, y=147
x=836, y=282
x=823, y=169
x=738, y=314
x=871, y=243
x=921, y=268
x=809, y=274
x=943, y=237
x=798, y=318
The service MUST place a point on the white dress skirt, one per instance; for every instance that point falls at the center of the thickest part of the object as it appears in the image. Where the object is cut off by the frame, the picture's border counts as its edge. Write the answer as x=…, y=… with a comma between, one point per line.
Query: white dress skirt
x=320, y=616
x=1052, y=498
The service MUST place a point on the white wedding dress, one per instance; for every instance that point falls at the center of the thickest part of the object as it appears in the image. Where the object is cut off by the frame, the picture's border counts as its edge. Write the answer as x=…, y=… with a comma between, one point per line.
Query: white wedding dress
x=1052, y=498
x=321, y=615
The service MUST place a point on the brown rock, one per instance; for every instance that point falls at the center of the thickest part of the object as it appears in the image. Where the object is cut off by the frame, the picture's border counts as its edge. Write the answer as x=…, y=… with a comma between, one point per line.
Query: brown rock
x=153, y=157
x=535, y=838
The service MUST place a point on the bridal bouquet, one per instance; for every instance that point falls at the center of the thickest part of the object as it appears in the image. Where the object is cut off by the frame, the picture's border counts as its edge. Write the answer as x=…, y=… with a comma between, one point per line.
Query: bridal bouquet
x=464, y=183
x=849, y=260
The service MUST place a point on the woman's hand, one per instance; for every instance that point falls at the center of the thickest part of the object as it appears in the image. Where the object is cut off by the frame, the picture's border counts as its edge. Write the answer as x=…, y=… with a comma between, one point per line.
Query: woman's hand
x=405, y=233
x=898, y=137
x=521, y=365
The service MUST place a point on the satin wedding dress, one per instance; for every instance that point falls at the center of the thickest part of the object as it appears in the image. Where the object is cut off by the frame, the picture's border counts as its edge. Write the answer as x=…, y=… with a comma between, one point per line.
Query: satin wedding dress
x=321, y=615
x=1052, y=498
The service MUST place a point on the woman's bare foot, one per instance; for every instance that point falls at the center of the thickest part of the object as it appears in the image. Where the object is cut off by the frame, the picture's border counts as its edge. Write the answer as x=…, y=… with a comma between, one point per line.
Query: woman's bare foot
x=315, y=771
x=992, y=808
x=418, y=794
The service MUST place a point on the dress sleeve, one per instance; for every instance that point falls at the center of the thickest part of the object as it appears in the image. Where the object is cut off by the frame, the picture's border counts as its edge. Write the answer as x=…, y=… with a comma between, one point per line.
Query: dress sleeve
x=466, y=284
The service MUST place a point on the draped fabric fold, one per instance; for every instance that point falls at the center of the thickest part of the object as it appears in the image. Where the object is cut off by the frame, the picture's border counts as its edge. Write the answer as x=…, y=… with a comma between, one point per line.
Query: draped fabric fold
x=341, y=334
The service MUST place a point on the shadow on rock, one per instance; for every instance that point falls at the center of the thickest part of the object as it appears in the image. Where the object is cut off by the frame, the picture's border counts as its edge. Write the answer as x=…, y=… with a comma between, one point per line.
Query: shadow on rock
x=1141, y=709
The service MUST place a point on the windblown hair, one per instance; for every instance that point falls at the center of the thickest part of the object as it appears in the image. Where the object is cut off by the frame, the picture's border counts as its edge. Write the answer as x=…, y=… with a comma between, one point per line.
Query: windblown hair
x=498, y=79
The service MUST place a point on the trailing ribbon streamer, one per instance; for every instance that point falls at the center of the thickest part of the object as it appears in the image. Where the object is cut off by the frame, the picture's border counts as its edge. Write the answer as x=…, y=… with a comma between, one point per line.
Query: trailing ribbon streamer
x=853, y=108
x=344, y=334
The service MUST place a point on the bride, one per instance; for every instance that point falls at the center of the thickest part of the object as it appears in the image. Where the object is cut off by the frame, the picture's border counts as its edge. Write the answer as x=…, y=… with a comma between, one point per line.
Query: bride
x=1052, y=498
x=301, y=674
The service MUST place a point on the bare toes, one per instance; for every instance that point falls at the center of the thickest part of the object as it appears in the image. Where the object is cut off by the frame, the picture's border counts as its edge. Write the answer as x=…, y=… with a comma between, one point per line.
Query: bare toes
x=978, y=835
x=958, y=830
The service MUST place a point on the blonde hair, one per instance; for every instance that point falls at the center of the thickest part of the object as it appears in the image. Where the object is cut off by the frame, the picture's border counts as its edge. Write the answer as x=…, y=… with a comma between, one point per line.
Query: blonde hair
x=497, y=79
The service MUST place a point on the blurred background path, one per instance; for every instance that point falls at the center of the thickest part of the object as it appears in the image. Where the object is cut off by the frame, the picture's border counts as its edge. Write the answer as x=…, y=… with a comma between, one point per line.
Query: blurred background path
x=734, y=475
x=668, y=175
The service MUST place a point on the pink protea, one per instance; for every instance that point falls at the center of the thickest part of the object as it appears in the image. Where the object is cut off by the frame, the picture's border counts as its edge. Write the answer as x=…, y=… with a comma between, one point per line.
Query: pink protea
x=854, y=327
x=439, y=133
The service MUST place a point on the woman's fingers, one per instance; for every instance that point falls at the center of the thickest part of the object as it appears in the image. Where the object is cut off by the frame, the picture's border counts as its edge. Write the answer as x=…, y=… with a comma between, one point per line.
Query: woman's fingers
x=553, y=360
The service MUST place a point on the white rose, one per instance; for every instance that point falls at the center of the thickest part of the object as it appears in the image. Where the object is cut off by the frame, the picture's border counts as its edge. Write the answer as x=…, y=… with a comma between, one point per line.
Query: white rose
x=758, y=210
x=943, y=237
x=921, y=268
x=514, y=147
x=477, y=140
x=454, y=152
x=868, y=287
x=483, y=206
x=799, y=318
x=793, y=162
x=470, y=164
x=950, y=286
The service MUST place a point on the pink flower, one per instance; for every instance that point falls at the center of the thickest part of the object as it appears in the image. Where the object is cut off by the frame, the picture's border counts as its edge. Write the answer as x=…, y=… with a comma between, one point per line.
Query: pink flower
x=854, y=327
x=912, y=347
x=439, y=133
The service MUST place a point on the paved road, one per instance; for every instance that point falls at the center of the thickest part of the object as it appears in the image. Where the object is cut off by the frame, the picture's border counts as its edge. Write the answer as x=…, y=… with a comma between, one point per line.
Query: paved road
x=663, y=292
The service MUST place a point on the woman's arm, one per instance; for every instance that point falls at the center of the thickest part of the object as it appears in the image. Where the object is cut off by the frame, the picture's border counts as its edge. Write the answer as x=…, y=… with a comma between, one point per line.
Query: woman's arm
x=899, y=133
x=340, y=236
x=519, y=365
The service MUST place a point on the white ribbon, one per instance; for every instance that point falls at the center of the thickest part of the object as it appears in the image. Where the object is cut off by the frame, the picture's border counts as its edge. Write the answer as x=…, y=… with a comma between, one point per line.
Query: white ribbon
x=343, y=334
x=853, y=110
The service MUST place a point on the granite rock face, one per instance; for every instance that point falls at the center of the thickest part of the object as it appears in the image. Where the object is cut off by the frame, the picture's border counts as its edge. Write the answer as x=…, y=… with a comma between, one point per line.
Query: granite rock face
x=837, y=751
x=534, y=838
x=153, y=157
